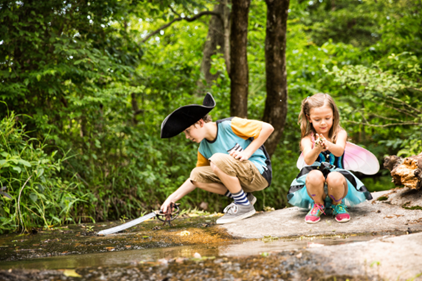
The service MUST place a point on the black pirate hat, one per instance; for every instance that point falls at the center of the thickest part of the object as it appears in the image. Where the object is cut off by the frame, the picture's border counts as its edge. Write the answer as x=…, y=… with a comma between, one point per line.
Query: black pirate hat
x=185, y=116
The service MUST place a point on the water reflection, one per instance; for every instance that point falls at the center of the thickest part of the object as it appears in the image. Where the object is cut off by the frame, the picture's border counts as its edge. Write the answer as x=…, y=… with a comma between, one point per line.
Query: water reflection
x=244, y=248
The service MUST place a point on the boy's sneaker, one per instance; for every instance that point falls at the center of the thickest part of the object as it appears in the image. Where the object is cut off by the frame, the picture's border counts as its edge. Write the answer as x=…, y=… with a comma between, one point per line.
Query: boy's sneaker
x=340, y=212
x=251, y=198
x=314, y=215
x=236, y=212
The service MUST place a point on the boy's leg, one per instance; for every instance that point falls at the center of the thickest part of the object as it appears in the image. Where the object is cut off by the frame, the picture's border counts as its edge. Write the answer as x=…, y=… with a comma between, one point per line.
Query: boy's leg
x=236, y=176
x=212, y=179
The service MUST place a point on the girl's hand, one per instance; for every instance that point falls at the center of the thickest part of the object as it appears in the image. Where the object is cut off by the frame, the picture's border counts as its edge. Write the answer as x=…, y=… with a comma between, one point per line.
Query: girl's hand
x=322, y=142
x=239, y=155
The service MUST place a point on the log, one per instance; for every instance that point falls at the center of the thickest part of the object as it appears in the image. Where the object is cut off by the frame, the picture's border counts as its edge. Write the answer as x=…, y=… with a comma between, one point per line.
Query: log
x=405, y=172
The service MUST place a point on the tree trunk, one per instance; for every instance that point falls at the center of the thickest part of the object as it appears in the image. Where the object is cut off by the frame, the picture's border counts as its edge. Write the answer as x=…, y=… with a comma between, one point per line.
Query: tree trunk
x=216, y=41
x=275, y=111
x=239, y=74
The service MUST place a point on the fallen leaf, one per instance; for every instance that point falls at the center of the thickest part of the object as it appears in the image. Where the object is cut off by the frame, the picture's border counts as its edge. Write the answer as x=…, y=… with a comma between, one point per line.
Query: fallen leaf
x=71, y=273
x=184, y=233
x=128, y=246
x=163, y=261
x=110, y=249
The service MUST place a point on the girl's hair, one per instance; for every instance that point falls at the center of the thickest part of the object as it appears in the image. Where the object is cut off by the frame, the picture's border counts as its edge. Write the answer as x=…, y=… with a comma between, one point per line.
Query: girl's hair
x=318, y=100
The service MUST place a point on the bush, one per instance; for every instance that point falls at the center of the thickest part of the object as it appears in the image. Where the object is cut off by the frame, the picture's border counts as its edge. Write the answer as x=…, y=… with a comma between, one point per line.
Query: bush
x=33, y=192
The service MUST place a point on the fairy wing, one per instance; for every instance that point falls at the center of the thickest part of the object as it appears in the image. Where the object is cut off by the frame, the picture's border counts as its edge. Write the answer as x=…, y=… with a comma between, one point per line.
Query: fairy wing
x=300, y=162
x=359, y=159
x=356, y=158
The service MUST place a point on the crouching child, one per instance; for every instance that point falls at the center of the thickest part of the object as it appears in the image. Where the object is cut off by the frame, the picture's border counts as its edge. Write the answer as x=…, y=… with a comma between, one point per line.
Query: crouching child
x=232, y=159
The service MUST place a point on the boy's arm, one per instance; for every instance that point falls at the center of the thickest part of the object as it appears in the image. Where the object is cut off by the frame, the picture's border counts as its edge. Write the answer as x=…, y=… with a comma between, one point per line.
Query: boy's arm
x=265, y=132
x=184, y=189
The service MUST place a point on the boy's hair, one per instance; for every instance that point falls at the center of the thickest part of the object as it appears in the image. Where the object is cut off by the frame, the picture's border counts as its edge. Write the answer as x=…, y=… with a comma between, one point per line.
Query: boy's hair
x=207, y=118
x=318, y=100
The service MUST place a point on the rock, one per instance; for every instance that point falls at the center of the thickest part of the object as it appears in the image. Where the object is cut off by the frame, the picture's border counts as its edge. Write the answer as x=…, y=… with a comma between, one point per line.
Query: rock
x=367, y=217
x=203, y=206
x=405, y=197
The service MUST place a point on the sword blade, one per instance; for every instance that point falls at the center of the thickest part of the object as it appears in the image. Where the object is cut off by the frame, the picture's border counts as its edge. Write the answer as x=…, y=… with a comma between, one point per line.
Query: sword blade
x=127, y=225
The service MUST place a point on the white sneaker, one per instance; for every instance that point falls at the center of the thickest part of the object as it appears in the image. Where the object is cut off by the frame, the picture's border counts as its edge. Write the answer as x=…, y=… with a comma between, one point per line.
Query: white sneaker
x=236, y=213
x=251, y=198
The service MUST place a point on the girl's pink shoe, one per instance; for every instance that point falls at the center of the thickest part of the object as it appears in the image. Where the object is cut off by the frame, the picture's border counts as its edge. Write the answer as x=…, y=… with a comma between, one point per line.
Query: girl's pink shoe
x=314, y=215
x=340, y=212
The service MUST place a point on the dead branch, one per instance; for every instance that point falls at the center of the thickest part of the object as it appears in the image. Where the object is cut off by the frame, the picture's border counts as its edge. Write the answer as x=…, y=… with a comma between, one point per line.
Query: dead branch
x=405, y=172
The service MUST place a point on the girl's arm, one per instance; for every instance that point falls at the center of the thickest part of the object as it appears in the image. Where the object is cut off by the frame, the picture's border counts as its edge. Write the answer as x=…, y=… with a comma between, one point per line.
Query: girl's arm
x=310, y=154
x=337, y=148
x=266, y=131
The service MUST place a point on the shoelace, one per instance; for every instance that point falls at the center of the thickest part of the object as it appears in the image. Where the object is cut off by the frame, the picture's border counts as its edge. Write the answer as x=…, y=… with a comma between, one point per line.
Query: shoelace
x=232, y=208
x=318, y=207
x=228, y=207
x=339, y=209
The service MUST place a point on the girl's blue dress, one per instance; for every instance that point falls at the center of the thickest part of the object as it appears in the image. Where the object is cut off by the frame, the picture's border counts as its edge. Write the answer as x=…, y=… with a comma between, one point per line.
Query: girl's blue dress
x=327, y=163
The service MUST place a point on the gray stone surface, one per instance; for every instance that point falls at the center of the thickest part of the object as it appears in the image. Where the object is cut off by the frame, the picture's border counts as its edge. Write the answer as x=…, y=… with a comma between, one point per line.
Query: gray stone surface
x=405, y=197
x=370, y=216
x=397, y=258
x=386, y=258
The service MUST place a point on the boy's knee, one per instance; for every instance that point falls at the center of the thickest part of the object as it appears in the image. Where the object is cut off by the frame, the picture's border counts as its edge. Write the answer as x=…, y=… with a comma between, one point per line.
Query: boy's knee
x=195, y=174
x=221, y=162
x=219, y=159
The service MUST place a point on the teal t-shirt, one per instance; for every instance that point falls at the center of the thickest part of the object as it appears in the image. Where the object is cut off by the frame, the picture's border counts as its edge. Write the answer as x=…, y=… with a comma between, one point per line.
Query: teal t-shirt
x=236, y=134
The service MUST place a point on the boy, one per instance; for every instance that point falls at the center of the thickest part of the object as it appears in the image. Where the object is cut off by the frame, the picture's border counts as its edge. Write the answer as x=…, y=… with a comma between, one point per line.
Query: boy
x=232, y=159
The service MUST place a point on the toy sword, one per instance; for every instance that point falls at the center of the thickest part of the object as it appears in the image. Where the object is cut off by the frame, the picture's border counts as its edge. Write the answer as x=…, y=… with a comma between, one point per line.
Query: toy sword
x=159, y=214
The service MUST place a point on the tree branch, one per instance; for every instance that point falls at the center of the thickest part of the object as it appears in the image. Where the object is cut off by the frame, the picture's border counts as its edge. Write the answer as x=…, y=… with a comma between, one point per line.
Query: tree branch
x=385, y=125
x=181, y=18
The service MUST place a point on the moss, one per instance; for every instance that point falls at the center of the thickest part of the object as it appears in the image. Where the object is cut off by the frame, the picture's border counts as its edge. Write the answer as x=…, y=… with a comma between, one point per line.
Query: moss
x=382, y=198
x=406, y=206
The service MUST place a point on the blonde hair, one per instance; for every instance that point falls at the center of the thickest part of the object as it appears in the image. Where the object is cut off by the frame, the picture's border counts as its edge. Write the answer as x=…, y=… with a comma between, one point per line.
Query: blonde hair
x=318, y=100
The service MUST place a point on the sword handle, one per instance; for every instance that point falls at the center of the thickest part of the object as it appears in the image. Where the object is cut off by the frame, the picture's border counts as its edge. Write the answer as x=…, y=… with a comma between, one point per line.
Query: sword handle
x=169, y=217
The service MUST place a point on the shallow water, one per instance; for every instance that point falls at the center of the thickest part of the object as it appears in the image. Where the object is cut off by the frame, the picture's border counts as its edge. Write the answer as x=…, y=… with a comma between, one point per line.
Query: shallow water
x=239, y=248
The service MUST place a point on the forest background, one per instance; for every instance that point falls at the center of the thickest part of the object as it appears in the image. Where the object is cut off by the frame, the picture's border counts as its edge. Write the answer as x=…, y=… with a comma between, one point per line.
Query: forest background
x=85, y=86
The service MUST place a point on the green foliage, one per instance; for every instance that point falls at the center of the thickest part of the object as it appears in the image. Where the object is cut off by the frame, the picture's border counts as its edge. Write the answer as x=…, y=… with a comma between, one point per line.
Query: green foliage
x=81, y=77
x=30, y=176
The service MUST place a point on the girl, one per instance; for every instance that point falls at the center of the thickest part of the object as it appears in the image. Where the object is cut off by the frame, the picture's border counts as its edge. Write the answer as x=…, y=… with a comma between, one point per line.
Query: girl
x=323, y=182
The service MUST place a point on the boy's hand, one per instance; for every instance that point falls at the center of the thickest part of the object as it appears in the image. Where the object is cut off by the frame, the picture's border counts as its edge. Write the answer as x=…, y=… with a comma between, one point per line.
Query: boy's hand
x=239, y=155
x=166, y=207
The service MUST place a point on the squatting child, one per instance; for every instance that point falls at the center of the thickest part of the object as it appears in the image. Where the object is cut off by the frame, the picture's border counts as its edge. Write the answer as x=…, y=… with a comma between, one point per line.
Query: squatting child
x=324, y=181
x=232, y=159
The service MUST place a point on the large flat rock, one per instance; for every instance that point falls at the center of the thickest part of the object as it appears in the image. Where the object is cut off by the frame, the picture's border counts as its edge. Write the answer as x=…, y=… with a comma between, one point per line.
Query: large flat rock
x=397, y=258
x=370, y=216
